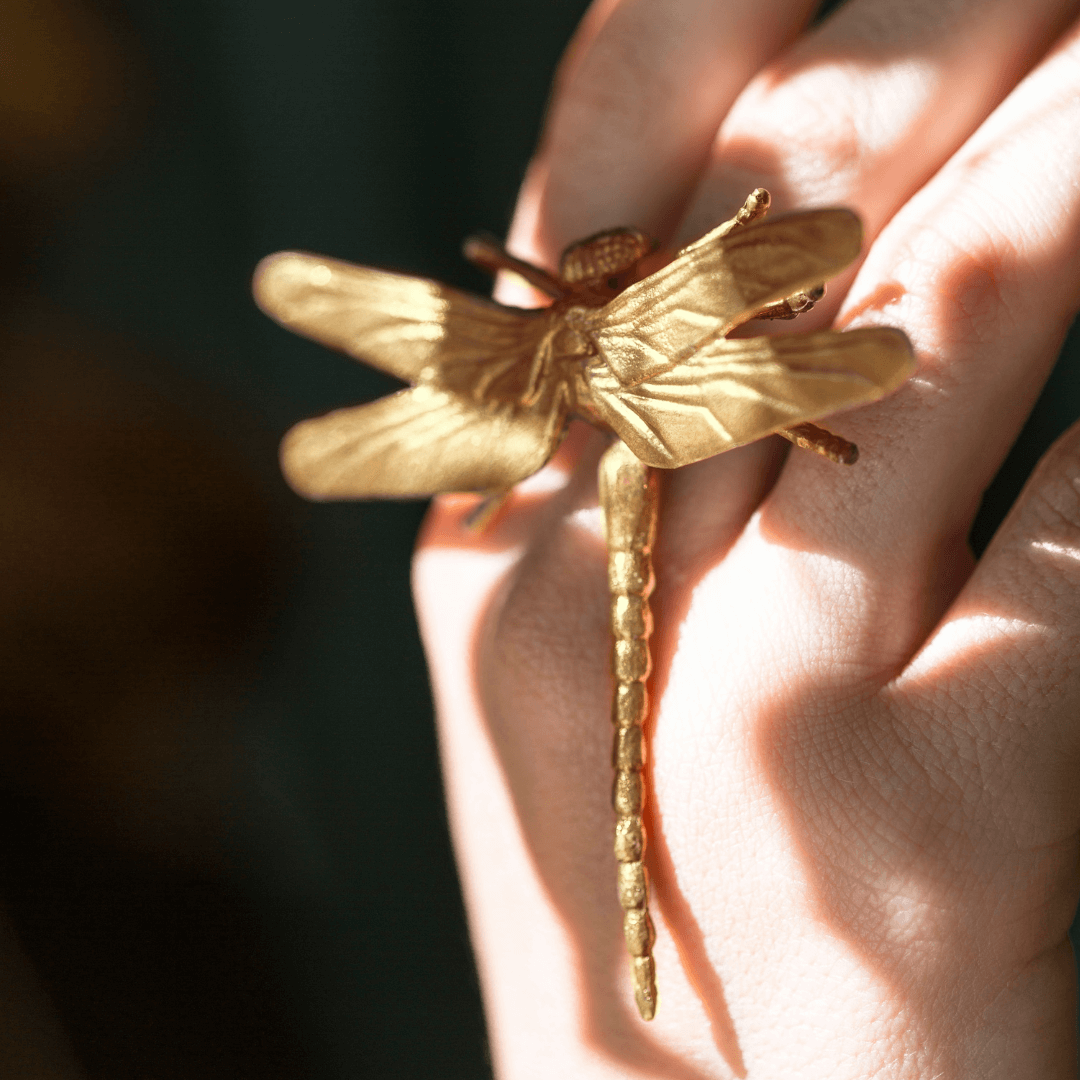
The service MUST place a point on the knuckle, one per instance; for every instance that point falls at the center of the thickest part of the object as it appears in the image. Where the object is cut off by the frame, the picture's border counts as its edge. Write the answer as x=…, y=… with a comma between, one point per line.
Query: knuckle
x=974, y=298
x=814, y=128
x=963, y=269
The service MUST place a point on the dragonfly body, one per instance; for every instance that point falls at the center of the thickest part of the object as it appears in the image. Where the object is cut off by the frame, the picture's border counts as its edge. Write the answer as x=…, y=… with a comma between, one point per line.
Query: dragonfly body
x=629, y=493
x=644, y=356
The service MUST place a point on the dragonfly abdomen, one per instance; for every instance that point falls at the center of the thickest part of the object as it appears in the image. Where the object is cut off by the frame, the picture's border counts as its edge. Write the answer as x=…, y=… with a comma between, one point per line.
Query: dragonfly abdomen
x=628, y=492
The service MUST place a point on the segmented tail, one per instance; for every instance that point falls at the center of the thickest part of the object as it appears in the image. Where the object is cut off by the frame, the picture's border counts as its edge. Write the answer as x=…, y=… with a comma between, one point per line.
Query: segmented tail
x=628, y=494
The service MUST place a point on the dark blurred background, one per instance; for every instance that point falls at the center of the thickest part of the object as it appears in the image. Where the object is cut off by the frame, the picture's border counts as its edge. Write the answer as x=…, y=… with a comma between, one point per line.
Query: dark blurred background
x=223, y=852
x=222, y=840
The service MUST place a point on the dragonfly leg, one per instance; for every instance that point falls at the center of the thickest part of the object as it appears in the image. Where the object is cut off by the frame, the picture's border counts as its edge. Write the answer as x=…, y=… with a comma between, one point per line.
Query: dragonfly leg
x=628, y=494
x=486, y=511
x=825, y=443
x=791, y=307
x=754, y=209
x=485, y=251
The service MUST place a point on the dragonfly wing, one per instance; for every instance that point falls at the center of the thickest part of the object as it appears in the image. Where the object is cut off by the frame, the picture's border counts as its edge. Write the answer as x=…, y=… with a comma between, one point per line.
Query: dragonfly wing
x=421, y=442
x=734, y=392
x=407, y=326
x=713, y=285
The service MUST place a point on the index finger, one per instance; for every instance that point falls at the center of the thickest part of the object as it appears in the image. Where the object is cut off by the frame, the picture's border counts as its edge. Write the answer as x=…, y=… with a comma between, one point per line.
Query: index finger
x=637, y=103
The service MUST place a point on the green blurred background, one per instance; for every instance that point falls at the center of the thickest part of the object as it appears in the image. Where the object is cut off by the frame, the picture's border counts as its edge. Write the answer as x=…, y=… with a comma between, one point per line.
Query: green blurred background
x=222, y=841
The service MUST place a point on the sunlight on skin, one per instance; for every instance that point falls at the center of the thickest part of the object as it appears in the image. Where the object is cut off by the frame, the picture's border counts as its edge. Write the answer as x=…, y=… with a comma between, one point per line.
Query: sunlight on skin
x=510, y=289
x=454, y=588
x=759, y=577
x=816, y=134
x=590, y=520
x=524, y=937
x=828, y=832
x=459, y=593
x=1062, y=550
x=514, y=291
x=554, y=476
x=961, y=638
x=732, y=850
x=825, y=128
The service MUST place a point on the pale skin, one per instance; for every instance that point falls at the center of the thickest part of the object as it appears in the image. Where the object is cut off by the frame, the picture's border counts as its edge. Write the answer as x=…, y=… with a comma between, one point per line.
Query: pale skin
x=864, y=812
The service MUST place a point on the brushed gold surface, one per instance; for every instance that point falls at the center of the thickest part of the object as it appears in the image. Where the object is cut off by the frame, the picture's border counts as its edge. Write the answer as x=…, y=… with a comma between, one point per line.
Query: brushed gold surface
x=628, y=619
x=713, y=286
x=638, y=931
x=603, y=254
x=629, y=495
x=643, y=357
x=733, y=392
x=629, y=571
x=629, y=839
x=633, y=887
x=383, y=450
x=495, y=386
x=629, y=793
x=645, y=981
x=631, y=705
x=823, y=442
x=631, y=660
x=629, y=750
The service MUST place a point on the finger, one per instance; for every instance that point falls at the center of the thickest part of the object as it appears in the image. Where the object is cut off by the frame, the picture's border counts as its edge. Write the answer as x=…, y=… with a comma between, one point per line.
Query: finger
x=1006, y=655
x=862, y=111
x=517, y=641
x=635, y=110
x=695, y=532
x=982, y=269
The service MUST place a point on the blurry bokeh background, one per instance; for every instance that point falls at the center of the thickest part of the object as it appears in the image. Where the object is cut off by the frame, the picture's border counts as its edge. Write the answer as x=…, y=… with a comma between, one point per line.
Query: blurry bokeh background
x=223, y=852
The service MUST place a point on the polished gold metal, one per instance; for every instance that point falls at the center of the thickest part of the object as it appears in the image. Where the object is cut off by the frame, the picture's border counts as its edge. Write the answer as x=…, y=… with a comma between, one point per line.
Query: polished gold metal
x=643, y=356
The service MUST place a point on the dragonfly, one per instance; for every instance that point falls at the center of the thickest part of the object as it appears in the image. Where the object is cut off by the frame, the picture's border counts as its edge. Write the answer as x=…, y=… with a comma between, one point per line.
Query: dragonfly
x=645, y=357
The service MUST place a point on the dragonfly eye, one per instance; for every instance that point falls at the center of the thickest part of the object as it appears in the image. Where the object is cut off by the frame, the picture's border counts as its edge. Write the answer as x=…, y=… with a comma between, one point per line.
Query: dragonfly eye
x=603, y=257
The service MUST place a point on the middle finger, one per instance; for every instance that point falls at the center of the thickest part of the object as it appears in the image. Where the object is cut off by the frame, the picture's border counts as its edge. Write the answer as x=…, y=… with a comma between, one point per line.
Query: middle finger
x=859, y=113
x=864, y=109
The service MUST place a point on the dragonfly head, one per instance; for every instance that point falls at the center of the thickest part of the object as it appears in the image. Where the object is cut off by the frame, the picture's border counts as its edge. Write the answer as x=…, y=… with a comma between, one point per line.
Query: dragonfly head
x=600, y=267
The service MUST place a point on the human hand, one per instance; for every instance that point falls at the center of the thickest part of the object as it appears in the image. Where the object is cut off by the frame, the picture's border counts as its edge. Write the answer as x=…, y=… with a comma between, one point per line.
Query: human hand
x=863, y=825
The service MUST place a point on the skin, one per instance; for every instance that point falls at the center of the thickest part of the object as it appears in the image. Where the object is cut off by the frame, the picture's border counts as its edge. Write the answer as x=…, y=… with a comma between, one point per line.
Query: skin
x=864, y=821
